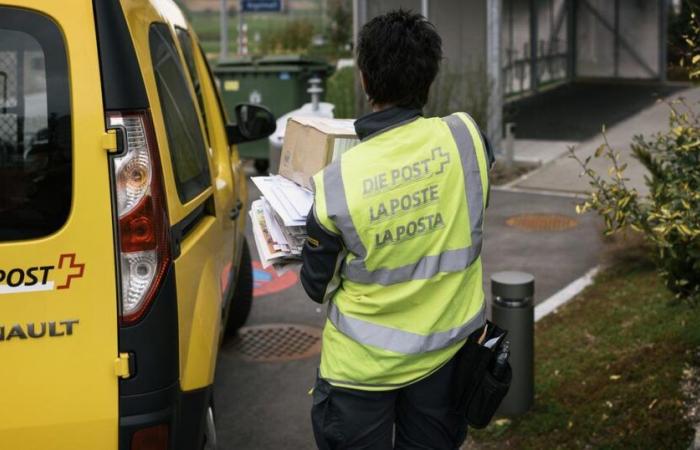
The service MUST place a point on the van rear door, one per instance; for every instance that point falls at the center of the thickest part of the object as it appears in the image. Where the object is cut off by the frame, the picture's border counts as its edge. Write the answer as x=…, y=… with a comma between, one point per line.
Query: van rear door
x=58, y=302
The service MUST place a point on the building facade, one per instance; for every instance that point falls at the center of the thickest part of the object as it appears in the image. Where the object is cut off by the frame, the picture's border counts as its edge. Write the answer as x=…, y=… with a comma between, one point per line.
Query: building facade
x=499, y=50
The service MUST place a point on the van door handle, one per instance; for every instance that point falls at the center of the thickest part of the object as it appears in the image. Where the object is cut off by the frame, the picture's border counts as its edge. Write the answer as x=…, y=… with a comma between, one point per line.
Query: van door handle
x=236, y=211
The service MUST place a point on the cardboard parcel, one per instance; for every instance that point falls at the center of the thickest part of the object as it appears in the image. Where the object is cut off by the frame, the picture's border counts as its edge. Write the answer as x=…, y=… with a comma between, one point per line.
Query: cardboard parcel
x=279, y=215
x=311, y=143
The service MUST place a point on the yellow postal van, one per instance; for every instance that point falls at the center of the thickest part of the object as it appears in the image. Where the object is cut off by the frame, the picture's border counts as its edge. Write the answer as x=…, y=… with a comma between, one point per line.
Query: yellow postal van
x=122, y=256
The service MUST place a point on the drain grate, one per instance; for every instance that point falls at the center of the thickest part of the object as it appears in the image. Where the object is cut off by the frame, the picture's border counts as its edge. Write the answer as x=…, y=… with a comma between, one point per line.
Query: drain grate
x=542, y=222
x=277, y=342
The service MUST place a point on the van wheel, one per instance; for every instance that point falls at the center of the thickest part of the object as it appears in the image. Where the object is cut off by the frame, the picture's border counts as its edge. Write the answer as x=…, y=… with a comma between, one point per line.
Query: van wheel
x=209, y=430
x=242, y=300
x=261, y=165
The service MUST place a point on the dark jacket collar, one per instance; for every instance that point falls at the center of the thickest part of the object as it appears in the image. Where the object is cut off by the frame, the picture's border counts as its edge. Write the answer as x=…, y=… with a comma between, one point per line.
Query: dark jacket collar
x=376, y=122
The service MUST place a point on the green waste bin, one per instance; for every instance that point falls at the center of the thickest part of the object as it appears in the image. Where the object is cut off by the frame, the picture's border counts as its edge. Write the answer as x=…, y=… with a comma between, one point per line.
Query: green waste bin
x=278, y=82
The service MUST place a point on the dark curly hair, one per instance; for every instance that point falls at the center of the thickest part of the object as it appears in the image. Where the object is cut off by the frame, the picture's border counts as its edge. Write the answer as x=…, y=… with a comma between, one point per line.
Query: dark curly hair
x=399, y=54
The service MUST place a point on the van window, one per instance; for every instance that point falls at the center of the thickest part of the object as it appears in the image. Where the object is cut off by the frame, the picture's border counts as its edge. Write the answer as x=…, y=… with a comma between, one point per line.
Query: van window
x=35, y=127
x=215, y=86
x=188, y=52
x=185, y=140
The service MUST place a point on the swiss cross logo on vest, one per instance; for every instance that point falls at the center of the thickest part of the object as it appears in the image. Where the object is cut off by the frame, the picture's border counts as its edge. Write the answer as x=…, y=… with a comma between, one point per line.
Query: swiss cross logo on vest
x=61, y=275
x=442, y=158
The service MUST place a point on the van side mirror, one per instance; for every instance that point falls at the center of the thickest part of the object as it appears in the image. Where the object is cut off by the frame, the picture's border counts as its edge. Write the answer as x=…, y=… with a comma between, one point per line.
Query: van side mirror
x=253, y=122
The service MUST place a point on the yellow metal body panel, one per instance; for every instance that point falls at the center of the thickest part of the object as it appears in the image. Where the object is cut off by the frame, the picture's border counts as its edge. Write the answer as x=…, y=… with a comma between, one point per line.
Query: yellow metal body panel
x=199, y=305
x=207, y=253
x=230, y=179
x=61, y=393
x=139, y=17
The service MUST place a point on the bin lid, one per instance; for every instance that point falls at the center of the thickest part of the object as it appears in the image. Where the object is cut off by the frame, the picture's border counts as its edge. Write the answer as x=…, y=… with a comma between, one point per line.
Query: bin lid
x=273, y=63
x=236, y=61
x=291, y=60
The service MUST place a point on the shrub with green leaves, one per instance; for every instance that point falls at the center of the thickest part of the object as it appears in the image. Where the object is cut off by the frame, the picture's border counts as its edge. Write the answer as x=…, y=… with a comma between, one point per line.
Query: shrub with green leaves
x=295, y=37
x=669, y=216
x=341, y=92
x=691, y=56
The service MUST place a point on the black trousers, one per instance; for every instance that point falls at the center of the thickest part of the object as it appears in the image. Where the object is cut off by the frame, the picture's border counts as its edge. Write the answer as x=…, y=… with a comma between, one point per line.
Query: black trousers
x=418, y=416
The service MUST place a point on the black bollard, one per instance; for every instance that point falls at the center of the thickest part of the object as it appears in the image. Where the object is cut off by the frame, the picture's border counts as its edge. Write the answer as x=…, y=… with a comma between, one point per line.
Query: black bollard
x=512, y=309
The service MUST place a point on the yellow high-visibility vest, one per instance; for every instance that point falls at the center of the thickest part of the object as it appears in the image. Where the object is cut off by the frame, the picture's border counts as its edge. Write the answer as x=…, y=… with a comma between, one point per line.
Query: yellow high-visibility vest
x=409, y=205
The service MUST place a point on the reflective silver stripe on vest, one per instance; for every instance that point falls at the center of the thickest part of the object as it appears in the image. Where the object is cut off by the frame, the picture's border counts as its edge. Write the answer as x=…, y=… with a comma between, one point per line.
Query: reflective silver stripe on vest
x=427, y=266
x=400, y=341
x=424, y=268
x=474, y=190
x=337, y=208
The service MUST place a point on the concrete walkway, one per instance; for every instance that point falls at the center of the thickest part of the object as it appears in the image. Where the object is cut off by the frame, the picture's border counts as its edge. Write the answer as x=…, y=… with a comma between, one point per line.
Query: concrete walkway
x=539, y=152
x=562, y=174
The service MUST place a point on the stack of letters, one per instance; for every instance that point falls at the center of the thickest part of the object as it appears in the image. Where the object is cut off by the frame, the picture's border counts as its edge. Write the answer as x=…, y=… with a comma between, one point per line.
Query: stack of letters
x=279, y=220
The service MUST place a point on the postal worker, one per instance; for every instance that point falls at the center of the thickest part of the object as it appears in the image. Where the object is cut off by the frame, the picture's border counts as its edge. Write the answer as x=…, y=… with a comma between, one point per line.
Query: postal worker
x=394, y=245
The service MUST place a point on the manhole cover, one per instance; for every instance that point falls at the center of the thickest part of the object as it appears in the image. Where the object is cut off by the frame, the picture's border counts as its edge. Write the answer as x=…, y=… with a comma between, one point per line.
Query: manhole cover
x=277, y=342
x=542, y=222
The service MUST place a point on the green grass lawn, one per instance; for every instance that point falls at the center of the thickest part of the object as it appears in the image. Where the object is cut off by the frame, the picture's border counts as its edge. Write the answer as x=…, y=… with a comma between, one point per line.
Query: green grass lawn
x=609, y=368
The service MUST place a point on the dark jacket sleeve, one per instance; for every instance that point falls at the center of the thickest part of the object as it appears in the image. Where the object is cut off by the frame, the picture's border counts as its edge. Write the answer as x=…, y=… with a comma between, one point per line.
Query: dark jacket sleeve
x=491, y=160
x=489, y=150
x=321, y=258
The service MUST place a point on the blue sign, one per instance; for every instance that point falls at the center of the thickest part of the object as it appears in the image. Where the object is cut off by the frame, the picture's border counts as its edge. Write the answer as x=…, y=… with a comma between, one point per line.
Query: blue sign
x=261, y=5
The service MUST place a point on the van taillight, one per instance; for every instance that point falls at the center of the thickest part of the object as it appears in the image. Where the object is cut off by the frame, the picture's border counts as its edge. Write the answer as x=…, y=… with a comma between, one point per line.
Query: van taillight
x=144, y=250
x=151, y=438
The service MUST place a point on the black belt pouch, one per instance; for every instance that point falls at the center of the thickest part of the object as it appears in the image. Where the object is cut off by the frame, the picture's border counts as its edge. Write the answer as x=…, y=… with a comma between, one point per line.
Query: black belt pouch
x=478, y=394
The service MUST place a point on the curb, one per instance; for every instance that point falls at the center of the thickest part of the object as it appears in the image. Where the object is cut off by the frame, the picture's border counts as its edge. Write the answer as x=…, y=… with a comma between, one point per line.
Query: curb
x=565, y=295
x=695, y=445
x=550, y=193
